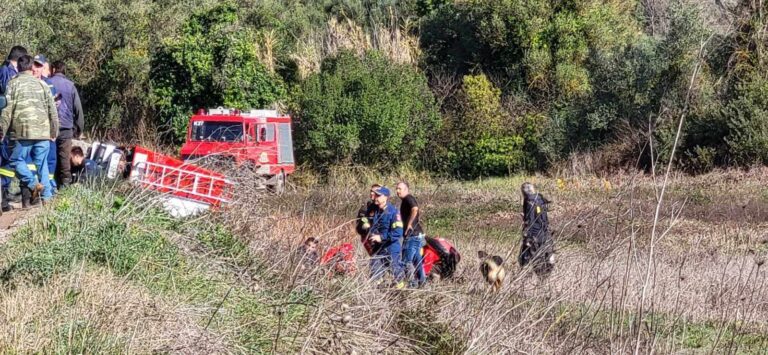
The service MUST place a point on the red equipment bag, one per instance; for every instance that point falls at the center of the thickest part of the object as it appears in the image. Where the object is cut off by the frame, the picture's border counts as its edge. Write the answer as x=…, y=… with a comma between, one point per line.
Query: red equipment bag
x=341, y=259
x=440, y=257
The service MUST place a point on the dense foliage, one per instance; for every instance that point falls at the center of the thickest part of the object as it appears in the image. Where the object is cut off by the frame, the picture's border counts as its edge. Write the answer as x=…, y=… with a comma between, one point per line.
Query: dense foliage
x=470, y=88
x=213, y=63
x=365, y=110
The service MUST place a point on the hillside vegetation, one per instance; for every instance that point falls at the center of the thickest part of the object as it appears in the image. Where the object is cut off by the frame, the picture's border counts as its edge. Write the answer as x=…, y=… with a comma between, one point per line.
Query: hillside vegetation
x=464, y=88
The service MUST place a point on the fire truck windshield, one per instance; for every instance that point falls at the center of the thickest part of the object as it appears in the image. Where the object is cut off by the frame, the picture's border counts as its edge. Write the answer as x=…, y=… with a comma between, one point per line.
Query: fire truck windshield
x=217, y=131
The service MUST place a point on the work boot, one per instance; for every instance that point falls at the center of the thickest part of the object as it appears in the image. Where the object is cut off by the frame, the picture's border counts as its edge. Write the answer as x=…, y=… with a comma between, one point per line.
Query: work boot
x=26, y=197
x=6, y=204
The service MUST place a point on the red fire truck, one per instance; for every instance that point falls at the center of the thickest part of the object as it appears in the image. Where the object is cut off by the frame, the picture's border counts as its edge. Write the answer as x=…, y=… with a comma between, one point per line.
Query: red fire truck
x=259, y=140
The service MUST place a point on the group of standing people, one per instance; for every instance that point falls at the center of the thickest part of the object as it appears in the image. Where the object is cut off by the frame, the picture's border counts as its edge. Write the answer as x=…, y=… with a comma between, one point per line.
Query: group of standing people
x=43, y=115
x=394, y=238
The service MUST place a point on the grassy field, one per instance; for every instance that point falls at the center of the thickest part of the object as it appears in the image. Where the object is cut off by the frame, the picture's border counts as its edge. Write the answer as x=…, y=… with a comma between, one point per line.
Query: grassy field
x=104, y=270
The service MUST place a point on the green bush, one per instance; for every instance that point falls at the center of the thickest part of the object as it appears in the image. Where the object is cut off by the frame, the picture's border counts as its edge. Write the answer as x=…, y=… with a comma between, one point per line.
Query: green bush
x=426, y=7
x=213, y=62
x=536, y=44
x=491, y=156
x=747, y=119
x=541, y=141
x=483, y=139
x=364, y=110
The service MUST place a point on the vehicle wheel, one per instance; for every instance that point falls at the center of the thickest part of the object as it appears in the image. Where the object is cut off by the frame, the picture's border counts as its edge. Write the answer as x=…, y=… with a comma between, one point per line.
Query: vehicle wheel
x=278, y=184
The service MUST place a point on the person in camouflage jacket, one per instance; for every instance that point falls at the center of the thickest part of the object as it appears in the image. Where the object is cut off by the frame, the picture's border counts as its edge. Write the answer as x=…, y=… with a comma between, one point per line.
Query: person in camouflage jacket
x=31, y=122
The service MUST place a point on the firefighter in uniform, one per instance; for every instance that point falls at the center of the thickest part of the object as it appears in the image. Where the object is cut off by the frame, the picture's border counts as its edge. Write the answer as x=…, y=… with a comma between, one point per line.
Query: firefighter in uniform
x=6, y=174
x=537, y=247
x=386, y=229
x=51, y=161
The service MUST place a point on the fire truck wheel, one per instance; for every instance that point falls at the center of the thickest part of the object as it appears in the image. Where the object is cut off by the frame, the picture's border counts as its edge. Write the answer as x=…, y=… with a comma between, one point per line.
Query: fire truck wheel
x=278, y=183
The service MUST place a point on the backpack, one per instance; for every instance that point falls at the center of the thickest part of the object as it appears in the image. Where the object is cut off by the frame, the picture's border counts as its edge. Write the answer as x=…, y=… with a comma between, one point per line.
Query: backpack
x=440, y=257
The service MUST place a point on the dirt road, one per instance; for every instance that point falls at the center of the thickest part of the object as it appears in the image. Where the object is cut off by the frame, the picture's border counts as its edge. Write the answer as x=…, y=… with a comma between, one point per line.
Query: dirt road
x=9, y=221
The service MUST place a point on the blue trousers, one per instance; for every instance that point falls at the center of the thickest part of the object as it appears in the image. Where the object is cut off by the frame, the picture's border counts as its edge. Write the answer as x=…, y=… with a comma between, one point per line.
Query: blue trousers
x=51, y=160
x=5, y=161
x=37, y=150
x=387, y=257
x=413, y=260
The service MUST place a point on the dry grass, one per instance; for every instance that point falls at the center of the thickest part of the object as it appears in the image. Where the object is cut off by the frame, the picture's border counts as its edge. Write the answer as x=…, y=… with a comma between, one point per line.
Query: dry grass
x=237, y=289
x=707, y=289
x=390, y=38
x=88, y=308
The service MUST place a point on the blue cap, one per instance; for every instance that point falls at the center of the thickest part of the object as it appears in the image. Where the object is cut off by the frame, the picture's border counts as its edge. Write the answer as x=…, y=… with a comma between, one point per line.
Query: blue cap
x=382, y=191
x=41, y=59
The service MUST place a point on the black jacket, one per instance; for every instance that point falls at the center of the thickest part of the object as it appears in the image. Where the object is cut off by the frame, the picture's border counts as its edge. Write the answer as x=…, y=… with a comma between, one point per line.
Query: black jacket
x=535, y=220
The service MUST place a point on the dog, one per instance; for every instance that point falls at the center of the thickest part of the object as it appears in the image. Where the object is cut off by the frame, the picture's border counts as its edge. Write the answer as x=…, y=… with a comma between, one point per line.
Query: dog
x=492, y=269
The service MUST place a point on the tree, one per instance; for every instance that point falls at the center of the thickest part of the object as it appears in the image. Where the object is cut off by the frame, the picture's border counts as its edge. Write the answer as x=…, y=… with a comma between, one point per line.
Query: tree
x=540, y=45
x=482, y=139
x=364, y=110
x=213, y=62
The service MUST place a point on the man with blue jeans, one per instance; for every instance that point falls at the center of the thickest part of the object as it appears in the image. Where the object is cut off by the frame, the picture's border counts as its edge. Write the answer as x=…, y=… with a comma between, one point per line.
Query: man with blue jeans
x=386, y=229
x=30, y=121
x=414, y=236
x=7, y=72
x=36, y=182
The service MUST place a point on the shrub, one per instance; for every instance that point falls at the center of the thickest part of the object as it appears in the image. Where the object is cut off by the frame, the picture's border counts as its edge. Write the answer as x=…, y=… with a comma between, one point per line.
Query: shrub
x=747, y=139
x=542, y=141
x=536, y=44
x=364, y=110
x=490, y=156
x=482, y=138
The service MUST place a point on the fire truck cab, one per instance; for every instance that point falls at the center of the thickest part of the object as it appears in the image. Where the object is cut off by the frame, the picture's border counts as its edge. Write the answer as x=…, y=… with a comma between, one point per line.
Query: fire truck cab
x=259, y=140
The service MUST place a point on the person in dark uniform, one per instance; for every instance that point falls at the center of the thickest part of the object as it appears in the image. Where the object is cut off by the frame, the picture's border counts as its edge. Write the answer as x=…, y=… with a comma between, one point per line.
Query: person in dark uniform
x=364, y=219
x=82, y=168
x=7, y=71
x=537, y=247
x=387, y=230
